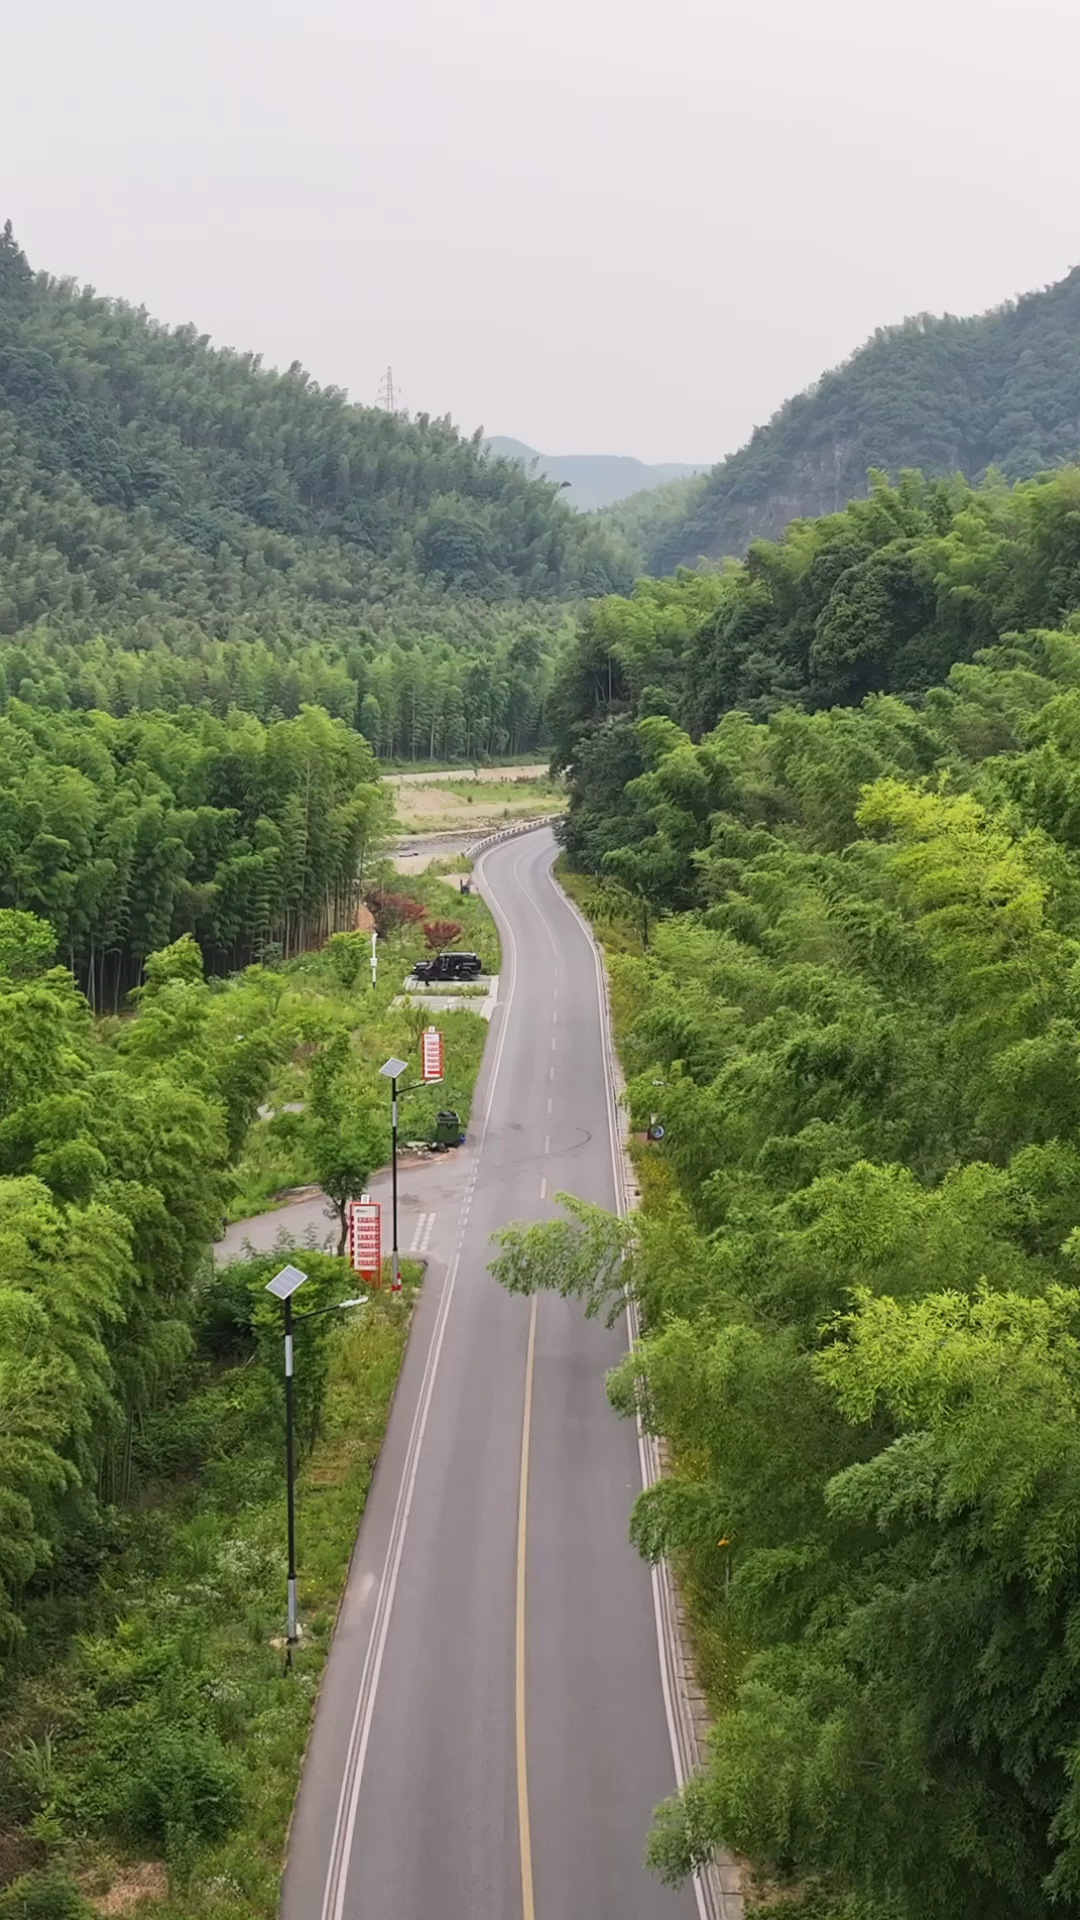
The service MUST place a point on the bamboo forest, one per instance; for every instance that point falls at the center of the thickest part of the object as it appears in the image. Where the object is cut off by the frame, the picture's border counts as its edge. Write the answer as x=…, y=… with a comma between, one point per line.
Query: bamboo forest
x=844, y=960
x=821, y=817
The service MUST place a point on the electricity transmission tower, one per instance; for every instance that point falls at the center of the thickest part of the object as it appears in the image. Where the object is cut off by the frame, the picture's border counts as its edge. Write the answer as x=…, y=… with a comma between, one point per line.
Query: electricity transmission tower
x=387, y=398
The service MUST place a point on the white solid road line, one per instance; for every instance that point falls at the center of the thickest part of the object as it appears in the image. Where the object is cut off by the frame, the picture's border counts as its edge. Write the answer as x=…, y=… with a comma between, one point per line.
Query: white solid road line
x=334, y=1891
x=646, y=1461
x=528, y=1909
x=338, y=1865
x=352, y=1773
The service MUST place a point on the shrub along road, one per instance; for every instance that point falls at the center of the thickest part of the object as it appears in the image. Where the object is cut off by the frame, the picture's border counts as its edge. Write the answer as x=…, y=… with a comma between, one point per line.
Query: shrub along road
x=491, y=1736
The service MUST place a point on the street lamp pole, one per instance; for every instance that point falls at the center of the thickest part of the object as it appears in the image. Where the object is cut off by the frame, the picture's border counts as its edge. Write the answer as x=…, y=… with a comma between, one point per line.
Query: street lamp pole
x=391, y=1071
x=290, y=1498
x=395, y=1267
x=283, y=1286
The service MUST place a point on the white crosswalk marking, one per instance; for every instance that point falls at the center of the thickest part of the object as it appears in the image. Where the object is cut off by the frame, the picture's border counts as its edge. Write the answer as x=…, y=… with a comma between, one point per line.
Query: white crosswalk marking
x=421, y=1238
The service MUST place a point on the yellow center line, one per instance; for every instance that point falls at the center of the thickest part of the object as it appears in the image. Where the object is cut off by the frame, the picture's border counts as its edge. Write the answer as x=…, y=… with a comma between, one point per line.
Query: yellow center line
x=527, y=1909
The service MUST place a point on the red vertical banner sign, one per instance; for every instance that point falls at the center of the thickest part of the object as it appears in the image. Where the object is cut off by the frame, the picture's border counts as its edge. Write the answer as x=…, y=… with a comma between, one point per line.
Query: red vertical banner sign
x=431, y=1054
x=365, y=1239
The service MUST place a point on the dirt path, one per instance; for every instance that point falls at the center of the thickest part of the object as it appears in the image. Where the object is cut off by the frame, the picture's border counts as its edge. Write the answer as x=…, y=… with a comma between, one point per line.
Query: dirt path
x=530, y=771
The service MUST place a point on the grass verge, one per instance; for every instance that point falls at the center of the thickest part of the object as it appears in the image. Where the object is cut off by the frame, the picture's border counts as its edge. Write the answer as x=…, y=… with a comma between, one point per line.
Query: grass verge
x=165, y=1728
x=276, y=1154
x=150, y=1738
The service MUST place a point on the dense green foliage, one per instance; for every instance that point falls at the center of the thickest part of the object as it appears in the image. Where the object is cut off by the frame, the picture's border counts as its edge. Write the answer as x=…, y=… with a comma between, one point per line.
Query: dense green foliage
x=452, y=682
x=643, y=519
x=179, y=526
x=347, y=1030
x=113, y=1175
x=142, y=1706
x=165, y=1728
x=944, y=395
x=883, y=597
x=858, y=1014
x=117, y=1144
x=127, y=833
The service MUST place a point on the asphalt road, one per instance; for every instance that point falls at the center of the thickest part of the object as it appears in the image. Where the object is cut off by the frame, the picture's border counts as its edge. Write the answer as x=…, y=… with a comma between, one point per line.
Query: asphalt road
x=490, y=1738
x=429, y=1191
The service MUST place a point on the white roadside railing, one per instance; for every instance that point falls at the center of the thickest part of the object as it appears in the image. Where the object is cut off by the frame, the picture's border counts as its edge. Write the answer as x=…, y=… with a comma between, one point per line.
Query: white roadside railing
x=510, y=833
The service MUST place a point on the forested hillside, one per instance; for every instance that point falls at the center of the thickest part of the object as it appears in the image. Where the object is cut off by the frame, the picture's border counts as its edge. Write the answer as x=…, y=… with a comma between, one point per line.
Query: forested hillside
x=126, y=834
x=149, y=1741
x=845, y=962
x=883, y=597
x=592, y=480
x=945, y=395
x=645, y=518
x=178, y=524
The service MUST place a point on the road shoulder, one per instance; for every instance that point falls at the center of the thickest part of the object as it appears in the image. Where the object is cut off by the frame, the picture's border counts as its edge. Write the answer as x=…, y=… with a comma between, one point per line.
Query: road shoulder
x=719, y=1887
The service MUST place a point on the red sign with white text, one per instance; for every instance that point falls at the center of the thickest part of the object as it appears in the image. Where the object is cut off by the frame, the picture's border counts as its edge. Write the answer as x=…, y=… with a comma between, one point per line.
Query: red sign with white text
x=431, y=1054
x=365, y=1238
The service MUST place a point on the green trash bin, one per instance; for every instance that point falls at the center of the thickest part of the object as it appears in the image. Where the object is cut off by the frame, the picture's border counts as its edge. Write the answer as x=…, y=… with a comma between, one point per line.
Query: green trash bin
x=447, y=1128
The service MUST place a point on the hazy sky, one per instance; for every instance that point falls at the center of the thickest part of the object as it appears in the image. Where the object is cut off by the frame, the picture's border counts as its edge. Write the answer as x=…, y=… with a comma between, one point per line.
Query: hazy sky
x=600, y=227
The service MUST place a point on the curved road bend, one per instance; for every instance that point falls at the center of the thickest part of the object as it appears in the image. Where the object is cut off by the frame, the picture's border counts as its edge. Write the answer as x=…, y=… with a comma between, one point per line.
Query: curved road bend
x=490, y=1739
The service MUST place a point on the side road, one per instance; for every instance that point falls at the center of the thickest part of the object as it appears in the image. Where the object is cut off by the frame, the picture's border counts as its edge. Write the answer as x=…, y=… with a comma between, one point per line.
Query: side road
x=428, y=1191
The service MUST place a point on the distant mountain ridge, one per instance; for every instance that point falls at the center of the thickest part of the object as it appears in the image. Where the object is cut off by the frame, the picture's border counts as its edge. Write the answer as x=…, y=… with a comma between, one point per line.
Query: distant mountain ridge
x=184, y=454
x=944, y=395
x=592, y=480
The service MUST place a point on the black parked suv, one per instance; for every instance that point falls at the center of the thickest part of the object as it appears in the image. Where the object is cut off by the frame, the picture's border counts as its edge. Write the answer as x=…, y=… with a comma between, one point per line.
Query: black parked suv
x=448, y=966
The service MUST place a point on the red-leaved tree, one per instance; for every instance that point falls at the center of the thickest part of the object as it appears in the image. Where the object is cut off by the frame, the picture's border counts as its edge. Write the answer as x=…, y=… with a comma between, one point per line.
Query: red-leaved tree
x=393, y=910
x=441, y=933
